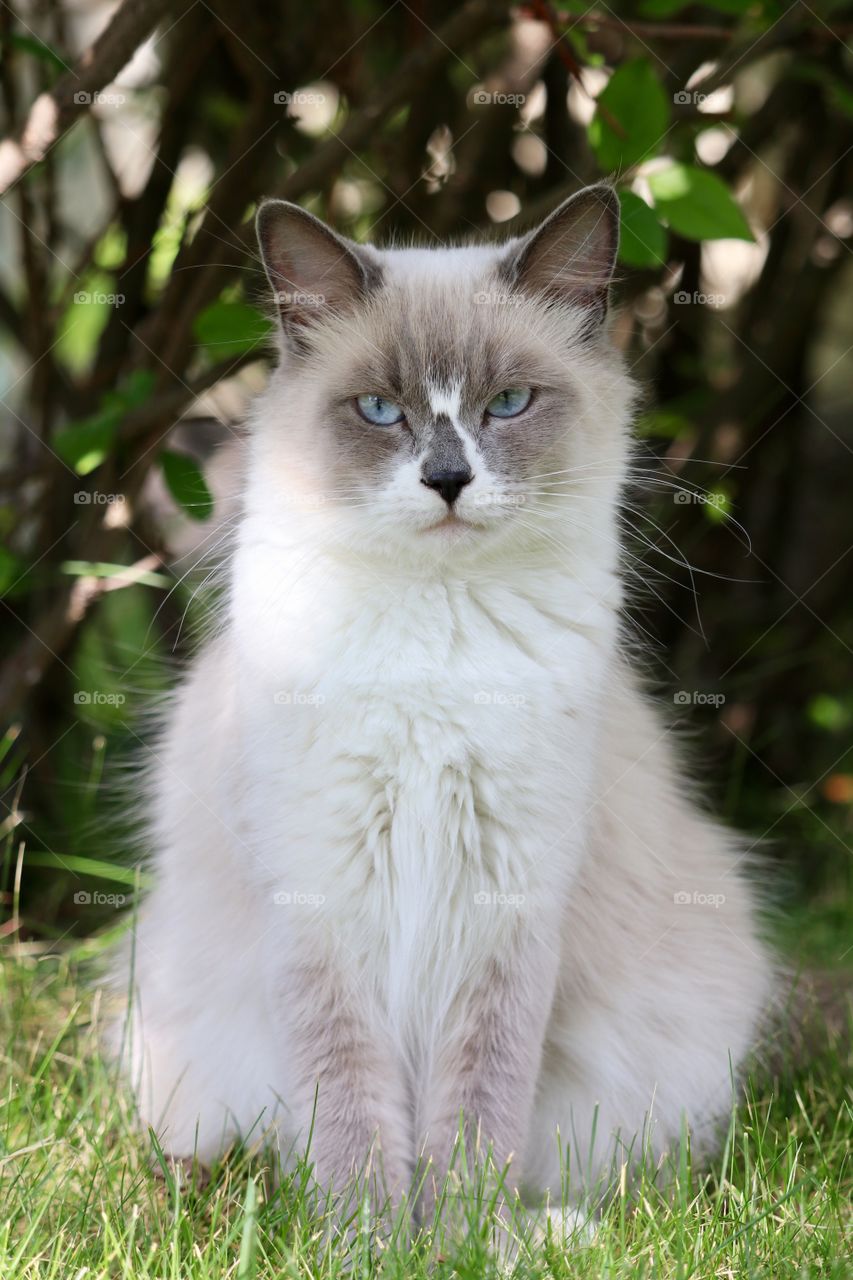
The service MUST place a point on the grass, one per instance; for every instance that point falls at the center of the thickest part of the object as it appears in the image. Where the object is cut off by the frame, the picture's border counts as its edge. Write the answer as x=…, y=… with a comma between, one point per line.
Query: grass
x=81, y=1198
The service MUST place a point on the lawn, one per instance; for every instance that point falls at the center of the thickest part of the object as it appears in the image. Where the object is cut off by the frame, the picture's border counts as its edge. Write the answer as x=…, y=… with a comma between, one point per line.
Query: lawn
x=83, y=1195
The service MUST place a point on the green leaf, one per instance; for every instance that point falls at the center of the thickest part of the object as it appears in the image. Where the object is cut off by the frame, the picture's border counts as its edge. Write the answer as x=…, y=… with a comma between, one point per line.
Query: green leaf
x=136, y=389
x=100, y=569
x=231, y=328
x=697, y=204
x=249, y=1235
x=661, y=8
x=634, y=99
x=88, y=867
x=717, y=505
x=642, y=239
x=838, y=95
x=745, y=8
x=186, y=484
x=11, y=569
x=38, y=49
x=828, y=713
x=739, y=8
x=667, y=423
x=84, y=445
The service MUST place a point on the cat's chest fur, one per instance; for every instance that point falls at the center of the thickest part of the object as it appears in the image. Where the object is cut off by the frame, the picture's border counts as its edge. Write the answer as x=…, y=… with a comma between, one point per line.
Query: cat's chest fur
x=416, y=743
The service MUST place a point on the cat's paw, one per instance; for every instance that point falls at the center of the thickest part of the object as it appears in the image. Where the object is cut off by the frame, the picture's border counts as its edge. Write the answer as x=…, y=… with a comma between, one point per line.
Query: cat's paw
x=524, y=1234
x=187, y=1172
x=566, y=1228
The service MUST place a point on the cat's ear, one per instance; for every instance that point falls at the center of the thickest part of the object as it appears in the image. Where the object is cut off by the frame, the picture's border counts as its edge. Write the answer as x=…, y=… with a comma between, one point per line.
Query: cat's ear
x=312, y=270
x=571, y=256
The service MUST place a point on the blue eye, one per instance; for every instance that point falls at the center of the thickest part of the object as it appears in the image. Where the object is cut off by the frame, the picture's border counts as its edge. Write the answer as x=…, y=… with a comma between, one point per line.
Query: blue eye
x=509, y=403
x=378, y=410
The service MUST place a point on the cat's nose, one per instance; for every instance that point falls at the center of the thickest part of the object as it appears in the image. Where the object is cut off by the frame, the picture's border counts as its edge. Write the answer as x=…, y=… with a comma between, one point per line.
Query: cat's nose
x=448, y=483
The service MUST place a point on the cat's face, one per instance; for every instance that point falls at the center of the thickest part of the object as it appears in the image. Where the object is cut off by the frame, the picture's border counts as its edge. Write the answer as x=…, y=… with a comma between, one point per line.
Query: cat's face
x=441, y=401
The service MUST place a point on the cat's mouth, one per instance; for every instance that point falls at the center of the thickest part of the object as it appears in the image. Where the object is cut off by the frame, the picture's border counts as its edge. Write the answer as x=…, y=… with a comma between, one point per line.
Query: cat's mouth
x=450, y=522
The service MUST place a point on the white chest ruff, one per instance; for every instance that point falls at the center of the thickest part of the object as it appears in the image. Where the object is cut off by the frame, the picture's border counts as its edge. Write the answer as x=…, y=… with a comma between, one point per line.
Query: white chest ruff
x=427, y=760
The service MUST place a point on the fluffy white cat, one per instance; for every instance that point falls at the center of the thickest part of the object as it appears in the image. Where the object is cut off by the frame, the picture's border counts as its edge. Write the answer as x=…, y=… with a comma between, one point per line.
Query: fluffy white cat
x=420, y=844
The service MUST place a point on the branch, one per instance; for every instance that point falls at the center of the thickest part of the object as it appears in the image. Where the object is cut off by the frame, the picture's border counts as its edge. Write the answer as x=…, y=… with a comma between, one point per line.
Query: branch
x=180, y=305
x=473, y=20
x=165, y=409
x=11, y=319
x=52, y=114
x=677, y=31
x=546, y=13
x=645, y=30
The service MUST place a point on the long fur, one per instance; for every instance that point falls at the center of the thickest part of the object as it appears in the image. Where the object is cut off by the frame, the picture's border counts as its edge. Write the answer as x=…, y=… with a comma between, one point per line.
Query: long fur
x=420, y=843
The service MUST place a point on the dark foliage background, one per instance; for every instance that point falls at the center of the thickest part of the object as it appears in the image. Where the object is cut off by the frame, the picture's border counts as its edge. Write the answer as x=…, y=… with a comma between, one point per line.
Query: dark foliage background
x=137, y=146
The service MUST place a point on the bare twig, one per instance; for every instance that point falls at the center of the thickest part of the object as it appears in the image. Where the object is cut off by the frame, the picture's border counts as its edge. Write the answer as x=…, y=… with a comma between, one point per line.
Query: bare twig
x=546, y=12
x=675, y=30
x=53, y=113
x=163, y=410
x=473, y=20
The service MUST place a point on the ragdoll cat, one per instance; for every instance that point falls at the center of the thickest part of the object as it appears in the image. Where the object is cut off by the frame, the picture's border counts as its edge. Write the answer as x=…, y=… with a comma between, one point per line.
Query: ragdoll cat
x=421, y=847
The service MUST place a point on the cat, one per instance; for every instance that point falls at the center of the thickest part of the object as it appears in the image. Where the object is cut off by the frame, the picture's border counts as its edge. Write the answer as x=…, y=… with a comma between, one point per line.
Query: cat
x=421, y=846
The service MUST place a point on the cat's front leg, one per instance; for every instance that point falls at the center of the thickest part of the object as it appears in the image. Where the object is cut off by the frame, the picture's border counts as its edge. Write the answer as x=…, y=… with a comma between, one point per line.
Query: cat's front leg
x=346, y=1088
x=487, y=1066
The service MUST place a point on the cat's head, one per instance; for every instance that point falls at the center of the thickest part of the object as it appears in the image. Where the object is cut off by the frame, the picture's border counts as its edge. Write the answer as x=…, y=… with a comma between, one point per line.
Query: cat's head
x=443, y=401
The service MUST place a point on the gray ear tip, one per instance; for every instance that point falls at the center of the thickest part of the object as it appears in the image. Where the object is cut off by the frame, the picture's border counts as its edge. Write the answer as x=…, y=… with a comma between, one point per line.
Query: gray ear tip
x=264, y=216
x=266, y=206
x=271, y=211
x=600, y=194
x=605, y=193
